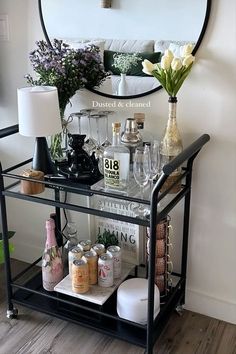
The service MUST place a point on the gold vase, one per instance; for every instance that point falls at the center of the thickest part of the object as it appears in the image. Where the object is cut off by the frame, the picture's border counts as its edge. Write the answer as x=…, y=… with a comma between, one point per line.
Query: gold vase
x=171, y=146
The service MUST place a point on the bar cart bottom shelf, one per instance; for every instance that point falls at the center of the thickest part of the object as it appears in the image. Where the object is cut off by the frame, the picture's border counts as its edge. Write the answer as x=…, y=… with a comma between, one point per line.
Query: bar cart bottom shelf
x=103, y=318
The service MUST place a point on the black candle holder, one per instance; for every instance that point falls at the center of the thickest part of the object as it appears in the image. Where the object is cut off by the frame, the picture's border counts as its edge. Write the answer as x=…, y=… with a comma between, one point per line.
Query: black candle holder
x=79, y=167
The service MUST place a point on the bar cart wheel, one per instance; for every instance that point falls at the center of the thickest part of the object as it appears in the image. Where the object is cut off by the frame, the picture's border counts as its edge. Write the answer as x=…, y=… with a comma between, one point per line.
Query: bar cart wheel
x=180, y=309
x=12, y=313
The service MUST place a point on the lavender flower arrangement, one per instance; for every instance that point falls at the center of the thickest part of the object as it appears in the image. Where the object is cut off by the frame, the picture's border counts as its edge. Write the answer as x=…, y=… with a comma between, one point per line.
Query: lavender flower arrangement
x=69, y=70
x=66, y=68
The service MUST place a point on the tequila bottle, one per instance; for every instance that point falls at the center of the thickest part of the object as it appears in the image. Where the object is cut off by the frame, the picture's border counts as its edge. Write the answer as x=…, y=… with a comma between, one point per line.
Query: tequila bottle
x=116, y=162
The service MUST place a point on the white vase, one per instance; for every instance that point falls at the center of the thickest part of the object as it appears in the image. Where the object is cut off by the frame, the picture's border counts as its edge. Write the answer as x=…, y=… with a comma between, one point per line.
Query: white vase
x=122, y=88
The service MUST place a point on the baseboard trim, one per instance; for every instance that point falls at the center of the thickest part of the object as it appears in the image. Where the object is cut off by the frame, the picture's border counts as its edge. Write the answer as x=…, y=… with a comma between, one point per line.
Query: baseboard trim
x=26, y=253
x=209, y=305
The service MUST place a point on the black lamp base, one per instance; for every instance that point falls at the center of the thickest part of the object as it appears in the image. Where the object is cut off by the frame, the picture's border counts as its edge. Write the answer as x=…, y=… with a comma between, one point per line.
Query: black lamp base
x=42, y=160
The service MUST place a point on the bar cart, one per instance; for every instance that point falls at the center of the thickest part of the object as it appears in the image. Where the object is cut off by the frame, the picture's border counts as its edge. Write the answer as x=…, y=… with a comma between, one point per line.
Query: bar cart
x=103, y=318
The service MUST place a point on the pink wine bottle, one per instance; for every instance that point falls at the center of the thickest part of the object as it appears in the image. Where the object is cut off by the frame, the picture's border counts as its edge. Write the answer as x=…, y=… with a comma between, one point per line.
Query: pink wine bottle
x=52, y=266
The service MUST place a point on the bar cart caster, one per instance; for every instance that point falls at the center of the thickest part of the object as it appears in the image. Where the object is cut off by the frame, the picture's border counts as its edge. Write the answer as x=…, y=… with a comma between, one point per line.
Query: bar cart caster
x=12, y=313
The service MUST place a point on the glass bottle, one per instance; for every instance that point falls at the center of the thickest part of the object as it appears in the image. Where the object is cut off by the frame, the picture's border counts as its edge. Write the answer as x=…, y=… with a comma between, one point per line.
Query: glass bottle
x=116, y=162
x=72, y=241
x=140, y=120
x=52, y=266
x=58, y=234
x=171, y=143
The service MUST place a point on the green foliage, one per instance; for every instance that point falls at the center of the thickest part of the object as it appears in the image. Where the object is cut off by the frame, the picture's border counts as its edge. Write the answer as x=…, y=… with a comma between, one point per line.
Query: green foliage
x=11, y=247
x=107, y=238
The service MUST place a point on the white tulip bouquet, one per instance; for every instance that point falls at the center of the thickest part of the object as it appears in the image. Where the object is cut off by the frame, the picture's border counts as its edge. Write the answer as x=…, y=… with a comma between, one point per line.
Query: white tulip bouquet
x=172, y=71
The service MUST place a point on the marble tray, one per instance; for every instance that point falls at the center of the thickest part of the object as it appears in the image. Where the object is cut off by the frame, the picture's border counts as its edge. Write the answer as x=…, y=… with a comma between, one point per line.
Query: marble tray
x=96, y=294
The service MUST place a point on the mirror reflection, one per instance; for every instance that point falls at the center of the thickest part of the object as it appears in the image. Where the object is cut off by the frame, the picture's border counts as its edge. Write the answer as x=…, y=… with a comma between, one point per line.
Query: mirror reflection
x=127, y=33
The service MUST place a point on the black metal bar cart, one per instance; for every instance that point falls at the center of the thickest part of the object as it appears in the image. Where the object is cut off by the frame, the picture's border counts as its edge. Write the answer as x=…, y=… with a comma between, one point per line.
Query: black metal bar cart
x=28, y=291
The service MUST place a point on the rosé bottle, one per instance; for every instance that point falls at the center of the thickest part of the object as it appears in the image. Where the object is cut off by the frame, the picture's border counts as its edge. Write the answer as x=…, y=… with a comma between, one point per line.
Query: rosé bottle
x=52, y=266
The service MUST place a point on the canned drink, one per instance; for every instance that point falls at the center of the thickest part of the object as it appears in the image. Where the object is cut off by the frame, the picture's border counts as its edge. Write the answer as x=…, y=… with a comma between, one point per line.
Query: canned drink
x=74, y=254
x=115, y=251
x=92, y=260
x=80, y=276
x=105, y=270
x=86, y=244
x=99, y=248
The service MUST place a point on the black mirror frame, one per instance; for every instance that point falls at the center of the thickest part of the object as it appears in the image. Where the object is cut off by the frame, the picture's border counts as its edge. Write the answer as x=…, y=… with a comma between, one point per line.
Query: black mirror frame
x=204, y=27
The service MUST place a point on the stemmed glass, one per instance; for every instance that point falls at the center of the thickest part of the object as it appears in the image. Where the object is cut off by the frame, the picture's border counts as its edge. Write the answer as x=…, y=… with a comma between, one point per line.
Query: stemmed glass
x=141, y=170
x=99, y=148
x=154, y=155
x=90, y=143
x=106, y=114
x=77, y=115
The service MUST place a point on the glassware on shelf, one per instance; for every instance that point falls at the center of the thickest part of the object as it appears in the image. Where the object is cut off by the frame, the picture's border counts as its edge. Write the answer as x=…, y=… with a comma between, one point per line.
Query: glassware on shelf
x=90, y=143
x=72, y=240
x=116, y=162
x=78, y=115
x=99, y=150
x=141, y=170
x=154, y=155
x=106, y=114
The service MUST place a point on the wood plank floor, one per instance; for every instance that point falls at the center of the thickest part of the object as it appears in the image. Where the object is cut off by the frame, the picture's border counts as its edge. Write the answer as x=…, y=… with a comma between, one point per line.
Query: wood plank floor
x=35, y=333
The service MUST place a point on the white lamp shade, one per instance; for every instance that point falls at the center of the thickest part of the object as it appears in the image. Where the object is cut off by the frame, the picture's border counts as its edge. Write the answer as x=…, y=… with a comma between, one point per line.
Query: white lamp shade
x=38, y=111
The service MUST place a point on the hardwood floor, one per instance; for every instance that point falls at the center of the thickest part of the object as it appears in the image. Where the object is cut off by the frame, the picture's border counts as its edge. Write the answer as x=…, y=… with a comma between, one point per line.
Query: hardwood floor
x=35, y=333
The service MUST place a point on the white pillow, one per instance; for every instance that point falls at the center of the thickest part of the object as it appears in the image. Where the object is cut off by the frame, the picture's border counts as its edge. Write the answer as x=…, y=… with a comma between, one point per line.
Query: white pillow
x=84, y=44
x=175, y=48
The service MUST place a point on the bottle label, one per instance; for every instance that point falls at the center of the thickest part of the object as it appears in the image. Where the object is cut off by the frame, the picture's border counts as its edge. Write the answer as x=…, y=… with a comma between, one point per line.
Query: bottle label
x=112, y=172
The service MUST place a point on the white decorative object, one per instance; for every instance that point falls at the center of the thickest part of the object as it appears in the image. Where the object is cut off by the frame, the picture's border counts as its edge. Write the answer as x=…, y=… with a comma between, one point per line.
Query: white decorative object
x=96, y=294
x=132, y=300
x=122, y=87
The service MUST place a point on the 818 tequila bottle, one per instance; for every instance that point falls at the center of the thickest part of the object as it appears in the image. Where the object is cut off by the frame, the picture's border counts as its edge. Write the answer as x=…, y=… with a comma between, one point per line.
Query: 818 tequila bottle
x=116, y=162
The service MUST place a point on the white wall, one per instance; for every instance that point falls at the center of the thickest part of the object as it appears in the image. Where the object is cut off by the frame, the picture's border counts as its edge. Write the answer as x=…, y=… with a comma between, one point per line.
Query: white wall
x=206, y=104
x=166, y=20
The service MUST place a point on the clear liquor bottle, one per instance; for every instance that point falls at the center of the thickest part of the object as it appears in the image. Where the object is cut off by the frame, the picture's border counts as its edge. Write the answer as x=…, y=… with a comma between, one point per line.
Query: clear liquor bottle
x=116, y=162
x=145, y=135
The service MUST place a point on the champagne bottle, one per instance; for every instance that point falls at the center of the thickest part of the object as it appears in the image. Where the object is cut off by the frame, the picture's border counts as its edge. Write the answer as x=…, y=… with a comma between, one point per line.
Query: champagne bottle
x=52, y=266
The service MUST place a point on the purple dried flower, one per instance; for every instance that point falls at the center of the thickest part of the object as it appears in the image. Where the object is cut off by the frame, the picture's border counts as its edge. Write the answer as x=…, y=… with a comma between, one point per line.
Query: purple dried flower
x=66, y=68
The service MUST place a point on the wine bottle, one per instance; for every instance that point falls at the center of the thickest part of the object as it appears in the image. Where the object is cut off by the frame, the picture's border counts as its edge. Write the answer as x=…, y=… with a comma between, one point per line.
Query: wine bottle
x=52, y=266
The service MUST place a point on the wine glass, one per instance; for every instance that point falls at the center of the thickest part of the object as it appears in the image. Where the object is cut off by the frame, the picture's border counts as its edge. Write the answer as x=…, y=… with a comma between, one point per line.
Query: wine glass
x=77, y=115
x=106, y=114
x=99, y=150
x=154, y=155
x=141, y=170
x=90, y=143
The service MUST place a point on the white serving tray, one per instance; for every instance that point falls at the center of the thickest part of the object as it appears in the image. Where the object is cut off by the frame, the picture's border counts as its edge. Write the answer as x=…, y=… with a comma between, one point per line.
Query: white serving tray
x=96, y=294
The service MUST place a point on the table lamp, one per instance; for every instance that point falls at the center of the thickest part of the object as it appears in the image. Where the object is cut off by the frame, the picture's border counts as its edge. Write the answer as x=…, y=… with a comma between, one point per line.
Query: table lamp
x=39, y=116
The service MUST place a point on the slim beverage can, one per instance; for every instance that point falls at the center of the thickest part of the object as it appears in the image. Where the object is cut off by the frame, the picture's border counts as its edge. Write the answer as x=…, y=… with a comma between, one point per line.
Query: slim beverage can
x=115, y=251
x=105, y=270
x=80, y=276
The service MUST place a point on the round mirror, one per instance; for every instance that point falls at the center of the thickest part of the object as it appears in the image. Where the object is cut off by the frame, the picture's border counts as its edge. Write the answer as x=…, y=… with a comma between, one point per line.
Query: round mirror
x=127, y=32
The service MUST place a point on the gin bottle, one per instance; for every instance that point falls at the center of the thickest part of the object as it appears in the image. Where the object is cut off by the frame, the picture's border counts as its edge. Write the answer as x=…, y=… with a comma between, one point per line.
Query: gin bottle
x=116, y=162
x=52, y=267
